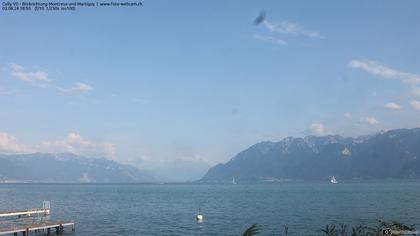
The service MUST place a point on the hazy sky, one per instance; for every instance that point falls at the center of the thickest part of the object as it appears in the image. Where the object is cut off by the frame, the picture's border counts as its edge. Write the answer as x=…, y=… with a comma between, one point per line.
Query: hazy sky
x=197, y=80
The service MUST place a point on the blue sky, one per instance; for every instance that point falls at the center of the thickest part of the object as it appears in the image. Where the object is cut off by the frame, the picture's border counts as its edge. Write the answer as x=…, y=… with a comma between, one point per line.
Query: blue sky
x=197, y=80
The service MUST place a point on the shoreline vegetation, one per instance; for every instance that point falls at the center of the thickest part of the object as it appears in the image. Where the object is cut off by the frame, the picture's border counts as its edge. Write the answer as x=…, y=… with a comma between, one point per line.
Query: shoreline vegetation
x=381, y=228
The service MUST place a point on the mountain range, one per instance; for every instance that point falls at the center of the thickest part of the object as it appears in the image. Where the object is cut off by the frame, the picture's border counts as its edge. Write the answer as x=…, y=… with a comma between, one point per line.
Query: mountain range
x=67, y=167
x=392, y=154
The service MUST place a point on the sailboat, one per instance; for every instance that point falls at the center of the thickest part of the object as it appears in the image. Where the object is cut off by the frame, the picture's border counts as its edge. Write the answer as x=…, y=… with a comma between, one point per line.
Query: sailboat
x=333, y=180
x=233, y=180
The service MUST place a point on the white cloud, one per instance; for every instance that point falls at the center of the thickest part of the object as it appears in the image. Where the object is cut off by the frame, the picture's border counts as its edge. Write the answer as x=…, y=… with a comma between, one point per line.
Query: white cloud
x=368, y=120
x=348, y=115
x=4, y=91
x=415, y=104
x=74, y=143
x=9, y=144
x=194, y=158
x=392, y=106
x=290, y=28
x=270, y=39
x=377, y=69
x=39, y=78
x=77, y=88
x=415, y=91
x=319, y=129
x=140, y=101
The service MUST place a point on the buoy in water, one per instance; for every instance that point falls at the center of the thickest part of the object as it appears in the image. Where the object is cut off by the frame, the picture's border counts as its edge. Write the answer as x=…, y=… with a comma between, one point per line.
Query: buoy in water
x=199, y=218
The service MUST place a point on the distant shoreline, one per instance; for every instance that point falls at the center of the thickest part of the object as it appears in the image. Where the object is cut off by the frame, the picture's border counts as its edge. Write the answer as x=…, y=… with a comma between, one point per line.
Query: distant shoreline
x=389, y=180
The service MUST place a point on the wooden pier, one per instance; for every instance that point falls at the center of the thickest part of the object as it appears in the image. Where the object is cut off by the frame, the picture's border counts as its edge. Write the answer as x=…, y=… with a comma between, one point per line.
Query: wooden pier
x=44, y=227
x=37, y=211
x=31, y=220
x=45, y=210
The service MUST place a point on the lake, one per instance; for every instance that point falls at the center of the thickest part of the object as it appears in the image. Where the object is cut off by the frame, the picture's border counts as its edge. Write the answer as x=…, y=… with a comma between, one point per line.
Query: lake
x=170, y=209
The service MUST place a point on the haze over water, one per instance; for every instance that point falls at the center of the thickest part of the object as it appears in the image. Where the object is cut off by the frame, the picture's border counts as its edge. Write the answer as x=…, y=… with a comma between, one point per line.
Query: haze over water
x=170, y=209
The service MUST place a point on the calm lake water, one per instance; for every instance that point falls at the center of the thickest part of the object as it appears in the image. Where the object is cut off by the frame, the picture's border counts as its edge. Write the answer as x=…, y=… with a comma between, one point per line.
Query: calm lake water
x=170, y=209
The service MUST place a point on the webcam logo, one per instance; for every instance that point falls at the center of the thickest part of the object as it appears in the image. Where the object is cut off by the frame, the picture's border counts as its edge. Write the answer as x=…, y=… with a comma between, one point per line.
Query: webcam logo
x=386, y=231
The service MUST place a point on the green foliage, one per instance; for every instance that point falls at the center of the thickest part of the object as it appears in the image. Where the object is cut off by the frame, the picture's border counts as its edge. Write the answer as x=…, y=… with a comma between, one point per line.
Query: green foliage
x=361, y=230
x=358, y=230
x=329, y=230
x=286, y=230
x=395, y=225
x=345, y=230
x=253, y=230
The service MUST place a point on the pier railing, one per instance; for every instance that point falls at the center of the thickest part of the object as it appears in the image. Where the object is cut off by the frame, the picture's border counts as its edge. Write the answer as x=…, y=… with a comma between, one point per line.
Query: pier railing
x=45, y=210
x=31, y=220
